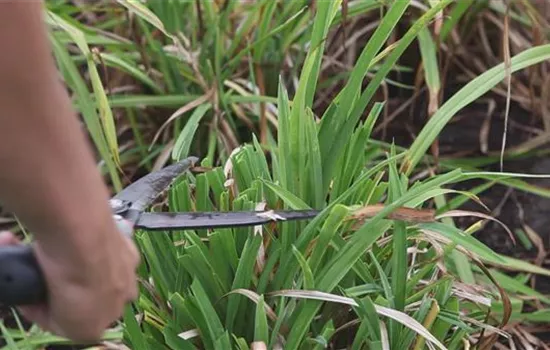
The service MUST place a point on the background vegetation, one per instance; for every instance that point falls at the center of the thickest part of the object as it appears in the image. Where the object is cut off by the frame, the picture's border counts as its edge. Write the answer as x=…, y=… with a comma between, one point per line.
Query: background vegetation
x=363, y=109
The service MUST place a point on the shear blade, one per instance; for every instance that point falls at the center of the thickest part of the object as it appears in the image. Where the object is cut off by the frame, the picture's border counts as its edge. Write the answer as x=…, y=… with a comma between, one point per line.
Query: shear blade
x=143, y=192
x=204, y=220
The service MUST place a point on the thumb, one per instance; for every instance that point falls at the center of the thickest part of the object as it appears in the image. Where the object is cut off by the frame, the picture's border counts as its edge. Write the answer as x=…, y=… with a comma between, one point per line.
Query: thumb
x=8, y=238
x=125, y=227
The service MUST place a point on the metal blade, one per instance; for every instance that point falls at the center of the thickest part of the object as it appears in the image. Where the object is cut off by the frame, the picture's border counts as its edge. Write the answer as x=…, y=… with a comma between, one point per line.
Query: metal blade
x=204, y=220
x=144, y=191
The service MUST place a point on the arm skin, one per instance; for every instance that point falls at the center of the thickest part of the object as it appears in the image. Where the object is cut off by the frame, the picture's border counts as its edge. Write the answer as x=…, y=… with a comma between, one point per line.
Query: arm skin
x=48, y=175
x=49, y=179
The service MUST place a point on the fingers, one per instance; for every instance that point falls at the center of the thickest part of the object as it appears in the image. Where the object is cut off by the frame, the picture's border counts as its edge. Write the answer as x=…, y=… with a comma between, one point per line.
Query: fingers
x=8, y=238
x=32, y=313
x=98, y=288
x=132, y=287
x=132, y=284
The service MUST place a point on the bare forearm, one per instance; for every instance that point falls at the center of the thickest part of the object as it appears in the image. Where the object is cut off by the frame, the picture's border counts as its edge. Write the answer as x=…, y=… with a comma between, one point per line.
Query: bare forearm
x=43, y=152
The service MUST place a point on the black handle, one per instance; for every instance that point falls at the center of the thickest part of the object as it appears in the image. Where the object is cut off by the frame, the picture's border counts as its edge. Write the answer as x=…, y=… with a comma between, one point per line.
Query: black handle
x=21, y=280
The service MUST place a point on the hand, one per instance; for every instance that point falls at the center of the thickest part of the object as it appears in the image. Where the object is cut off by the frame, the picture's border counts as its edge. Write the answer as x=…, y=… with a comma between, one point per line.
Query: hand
x=85, y=294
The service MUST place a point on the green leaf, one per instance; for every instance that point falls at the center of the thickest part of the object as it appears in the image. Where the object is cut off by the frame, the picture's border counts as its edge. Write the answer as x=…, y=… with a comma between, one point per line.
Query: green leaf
x=213, y=323
x=7, y=337
x=88, y=109
x=266, y=17
x=521, y=265
x=118, y=101
x=466, y=95
x=289, y=198
x=371, y=231
x=369, y=317
x=388, y=292
x=261, y=330
x=112, y=60
x=429, y=59
x=322, y=339
x=314, y=168
x=309, y=283
x=105, y=113
x=454, y=16
x=350, y=105
x=185, y=138
x=131, y=327
x=515, y=286
x=441, y=327
x=174, y=341
x=284, y=152
x=541, y=316
x=242, y=278
x=459, y=237
x=328, y=231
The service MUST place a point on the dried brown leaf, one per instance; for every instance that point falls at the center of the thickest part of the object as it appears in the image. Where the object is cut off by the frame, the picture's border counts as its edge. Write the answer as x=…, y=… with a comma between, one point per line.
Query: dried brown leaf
x=403, y=214
x=488, y=342
x=486, y=127
x=508, y=75
x=164, y=156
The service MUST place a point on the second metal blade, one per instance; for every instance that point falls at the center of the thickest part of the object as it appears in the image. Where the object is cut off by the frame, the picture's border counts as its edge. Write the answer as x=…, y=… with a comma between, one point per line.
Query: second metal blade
x=204, y=220
x=142, y=192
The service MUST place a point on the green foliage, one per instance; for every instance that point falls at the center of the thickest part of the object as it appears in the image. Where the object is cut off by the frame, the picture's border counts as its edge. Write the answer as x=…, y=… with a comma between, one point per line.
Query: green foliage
x=298, y=285
x=295, y=272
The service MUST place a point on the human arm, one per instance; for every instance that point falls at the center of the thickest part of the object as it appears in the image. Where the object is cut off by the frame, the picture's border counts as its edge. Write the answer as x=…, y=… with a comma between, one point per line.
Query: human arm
x=49, y=179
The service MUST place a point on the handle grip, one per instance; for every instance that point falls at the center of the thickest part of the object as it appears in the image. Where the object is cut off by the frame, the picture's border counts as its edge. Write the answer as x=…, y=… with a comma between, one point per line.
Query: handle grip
x=21, y=279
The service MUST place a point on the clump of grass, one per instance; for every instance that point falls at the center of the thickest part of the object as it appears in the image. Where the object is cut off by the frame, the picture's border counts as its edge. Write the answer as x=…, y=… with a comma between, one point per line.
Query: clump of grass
x=341, y=280
x=186, y=55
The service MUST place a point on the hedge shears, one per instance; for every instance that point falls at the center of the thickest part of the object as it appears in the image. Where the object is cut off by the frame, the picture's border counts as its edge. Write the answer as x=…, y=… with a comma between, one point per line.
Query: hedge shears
x=22, y=282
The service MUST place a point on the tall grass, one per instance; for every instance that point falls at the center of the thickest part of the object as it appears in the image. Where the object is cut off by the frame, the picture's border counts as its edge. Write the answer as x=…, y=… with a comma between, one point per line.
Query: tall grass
x=345, y=278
